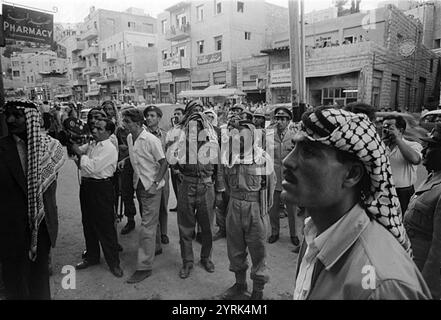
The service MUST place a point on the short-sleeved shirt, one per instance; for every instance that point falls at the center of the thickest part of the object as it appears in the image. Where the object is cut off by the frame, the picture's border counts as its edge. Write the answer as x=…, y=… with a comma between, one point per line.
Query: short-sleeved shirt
x=100, y=160
x=145, y=154
x=403, y=172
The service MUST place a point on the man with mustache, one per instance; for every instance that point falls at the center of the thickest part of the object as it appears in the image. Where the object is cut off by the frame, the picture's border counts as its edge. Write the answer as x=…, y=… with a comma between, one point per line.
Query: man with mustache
x=355, y=245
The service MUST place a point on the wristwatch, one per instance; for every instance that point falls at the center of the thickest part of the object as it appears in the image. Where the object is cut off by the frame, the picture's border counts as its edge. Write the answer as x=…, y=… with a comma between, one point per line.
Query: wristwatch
x=156, y=183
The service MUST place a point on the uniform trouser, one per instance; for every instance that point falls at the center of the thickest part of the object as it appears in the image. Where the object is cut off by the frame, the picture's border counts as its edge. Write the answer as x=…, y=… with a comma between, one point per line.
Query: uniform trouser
x=127, y=190
x=274, y=214
x=25, y=279
x=163, y=210
x=246, y=228
x=404, y=195
x=98, y=217
x=296, y=218
x=221, y=213
x=195, y=203
x=149, y=233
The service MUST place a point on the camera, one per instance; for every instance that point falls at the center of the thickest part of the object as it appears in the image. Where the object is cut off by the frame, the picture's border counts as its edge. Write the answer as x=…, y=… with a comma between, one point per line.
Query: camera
x=74, y=131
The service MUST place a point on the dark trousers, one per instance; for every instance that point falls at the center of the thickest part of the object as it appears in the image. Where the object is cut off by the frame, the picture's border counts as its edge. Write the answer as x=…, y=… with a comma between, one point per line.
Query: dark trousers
x=163, y=209
x=98, y=217
x=174, y=179
x=25, y=279
x=195, y=203
x=127, y=190
x=221, y=212
x=404, y=195
x=46, y=120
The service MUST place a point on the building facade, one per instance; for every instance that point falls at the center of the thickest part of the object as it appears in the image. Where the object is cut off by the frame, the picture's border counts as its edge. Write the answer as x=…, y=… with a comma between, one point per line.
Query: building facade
x=377, y=57
x=201, y=42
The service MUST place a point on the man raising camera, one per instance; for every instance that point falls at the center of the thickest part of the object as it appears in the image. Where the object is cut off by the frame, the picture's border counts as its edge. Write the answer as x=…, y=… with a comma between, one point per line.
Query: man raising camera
x=404, y=156
x=97, y=162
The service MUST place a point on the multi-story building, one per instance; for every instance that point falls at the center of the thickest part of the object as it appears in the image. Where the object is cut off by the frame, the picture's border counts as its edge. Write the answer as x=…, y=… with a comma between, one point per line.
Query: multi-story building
x=321, y=15
x=200, y=43
x=115, y=44
x=377, y=57
x=39, y=73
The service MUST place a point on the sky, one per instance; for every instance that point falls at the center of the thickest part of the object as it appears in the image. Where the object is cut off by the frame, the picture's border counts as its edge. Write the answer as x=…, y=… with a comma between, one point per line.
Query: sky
x=70, y=11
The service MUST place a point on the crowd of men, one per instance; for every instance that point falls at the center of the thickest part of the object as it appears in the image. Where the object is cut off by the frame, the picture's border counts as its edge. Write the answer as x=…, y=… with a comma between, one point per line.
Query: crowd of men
x=345, y=188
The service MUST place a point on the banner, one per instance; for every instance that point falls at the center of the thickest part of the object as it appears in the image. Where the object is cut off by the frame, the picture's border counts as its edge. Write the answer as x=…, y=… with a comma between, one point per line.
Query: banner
x=27, y=25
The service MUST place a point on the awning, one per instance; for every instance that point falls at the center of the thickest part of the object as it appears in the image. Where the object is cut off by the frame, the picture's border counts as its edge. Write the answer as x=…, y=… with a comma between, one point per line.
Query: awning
x=63, y=95
x=280, y=85
x=325, y=73
x=216, y=86
x=226, y=92
x=92, y=93
x=200, y=83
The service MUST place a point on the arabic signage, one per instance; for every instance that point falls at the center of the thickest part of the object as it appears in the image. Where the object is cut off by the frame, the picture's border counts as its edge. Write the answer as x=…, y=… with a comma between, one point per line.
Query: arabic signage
x=210, y=58
x=281, y=76
x=27, y=25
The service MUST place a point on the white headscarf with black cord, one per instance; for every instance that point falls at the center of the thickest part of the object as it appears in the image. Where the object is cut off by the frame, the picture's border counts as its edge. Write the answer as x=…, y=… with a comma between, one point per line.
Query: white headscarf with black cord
x=356, y=134
x=45, y=156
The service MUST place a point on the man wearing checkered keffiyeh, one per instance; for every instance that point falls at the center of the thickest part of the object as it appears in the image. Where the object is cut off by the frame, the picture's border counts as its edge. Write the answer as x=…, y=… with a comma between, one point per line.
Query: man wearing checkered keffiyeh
x=355, y=244
x=29, y=164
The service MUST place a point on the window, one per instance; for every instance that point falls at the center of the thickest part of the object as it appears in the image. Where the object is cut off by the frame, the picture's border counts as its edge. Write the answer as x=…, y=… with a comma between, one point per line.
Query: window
x=247, y=35
x=437, y=43
x=408, y=87
x=348, y=40
x=164, y=54
x=218, y=43
x=121, y=45
x=394, y=91
x=131, y=24
x=399, y=36
x=376, y=88
x=200, y=46
x=200, y=13
x=95, y=25
x=218, y=8
x=15, y=73
x=220, y=77
x=164, y=26
x=150, y=45
x=181, y=20
x=240, y=6
x=181, y=51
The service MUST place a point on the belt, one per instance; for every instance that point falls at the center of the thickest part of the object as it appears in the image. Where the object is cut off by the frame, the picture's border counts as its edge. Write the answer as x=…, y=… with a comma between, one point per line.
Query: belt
x=197, y=179
x=406, y=188
x=85, y=179
x=251, y=196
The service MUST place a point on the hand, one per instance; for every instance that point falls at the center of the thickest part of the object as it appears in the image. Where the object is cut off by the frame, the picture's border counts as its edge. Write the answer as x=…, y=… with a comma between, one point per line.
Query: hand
x=76, y=149
x=153, y=189
x=219, y=199
x=121, y=165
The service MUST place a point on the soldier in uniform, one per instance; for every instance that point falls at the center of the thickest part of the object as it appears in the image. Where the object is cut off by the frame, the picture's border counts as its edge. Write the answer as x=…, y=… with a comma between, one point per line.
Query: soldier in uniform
x=251, y=180
x=259, y=118
x=153, y=116
x=202, y=184
x=283, y=144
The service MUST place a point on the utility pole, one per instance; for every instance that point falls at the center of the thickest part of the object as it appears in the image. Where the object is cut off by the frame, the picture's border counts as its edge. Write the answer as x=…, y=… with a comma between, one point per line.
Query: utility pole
x=303, y=95
x=295, y=56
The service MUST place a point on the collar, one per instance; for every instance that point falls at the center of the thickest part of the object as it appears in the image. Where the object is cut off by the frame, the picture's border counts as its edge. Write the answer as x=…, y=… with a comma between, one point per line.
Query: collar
x=315, y=243
x=343, y=235
x=435, y=179
x=156, y=132
x=143, y=135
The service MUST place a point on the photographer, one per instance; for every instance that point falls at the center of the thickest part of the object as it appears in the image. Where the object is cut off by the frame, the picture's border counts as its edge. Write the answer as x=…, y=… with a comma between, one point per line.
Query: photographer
x=404, y=156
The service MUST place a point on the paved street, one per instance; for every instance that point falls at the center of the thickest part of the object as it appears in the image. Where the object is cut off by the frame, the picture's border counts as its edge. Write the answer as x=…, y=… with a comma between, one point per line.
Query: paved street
x=98, y=283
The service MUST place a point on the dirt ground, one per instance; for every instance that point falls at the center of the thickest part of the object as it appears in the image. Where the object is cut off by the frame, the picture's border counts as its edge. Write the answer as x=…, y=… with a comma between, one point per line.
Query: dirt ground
x=98, y=283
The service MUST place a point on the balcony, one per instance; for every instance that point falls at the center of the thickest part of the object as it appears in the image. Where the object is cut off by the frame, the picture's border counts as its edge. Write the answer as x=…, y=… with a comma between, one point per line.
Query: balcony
x=78, y=46
x=89, y=34
x=176, y=63
x=90, y=51
x=178, y=33
x=89, y=71
x=78, y=65
x=111, y=57
x=78, y=82
x=437, y=51
x=114, y=77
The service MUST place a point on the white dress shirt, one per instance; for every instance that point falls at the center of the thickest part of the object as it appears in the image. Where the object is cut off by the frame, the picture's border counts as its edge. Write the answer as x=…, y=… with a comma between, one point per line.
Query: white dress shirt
x=100, y=160
x=145, y=154
x=314, y=245
x=403, y=172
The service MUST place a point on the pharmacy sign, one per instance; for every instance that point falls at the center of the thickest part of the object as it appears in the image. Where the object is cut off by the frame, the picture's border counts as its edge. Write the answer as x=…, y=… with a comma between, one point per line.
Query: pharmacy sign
x=27, y=25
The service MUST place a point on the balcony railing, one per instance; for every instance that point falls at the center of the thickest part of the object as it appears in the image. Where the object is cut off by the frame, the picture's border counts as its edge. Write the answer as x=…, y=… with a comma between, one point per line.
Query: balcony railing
x=113, y=77
x=91, y=50
x=89, y=34
x=78, y=65
x=78, y=46
x=78, y=82
x=111, y=56
x=91, y=70
x=178, y=33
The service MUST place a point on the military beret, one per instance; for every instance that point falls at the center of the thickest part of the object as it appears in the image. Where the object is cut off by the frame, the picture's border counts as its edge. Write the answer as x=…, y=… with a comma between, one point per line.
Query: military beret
x=153, y=109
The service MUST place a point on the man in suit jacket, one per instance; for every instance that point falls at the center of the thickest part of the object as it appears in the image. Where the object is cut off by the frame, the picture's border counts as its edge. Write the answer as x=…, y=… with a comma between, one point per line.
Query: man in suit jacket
x=29, y=163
